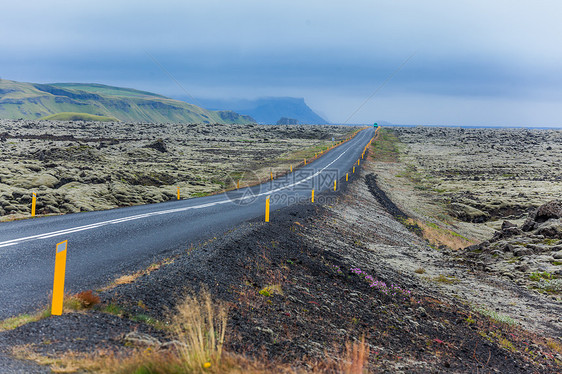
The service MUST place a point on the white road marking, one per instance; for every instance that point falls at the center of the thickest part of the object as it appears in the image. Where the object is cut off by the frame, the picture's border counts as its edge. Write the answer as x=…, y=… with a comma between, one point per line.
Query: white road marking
x=168, y=211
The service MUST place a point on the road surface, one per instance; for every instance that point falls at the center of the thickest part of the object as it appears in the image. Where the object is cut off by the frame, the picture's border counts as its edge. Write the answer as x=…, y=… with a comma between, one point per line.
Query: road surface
x=103, y=245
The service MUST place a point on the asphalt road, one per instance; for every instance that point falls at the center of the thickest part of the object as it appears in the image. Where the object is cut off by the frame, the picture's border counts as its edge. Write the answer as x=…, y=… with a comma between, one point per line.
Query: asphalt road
x=103, y=245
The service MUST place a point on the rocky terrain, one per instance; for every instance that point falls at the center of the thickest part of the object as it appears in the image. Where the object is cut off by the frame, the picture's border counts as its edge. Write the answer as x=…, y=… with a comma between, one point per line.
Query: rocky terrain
x=486, y=175
x=530, y=254
x=83, y=166
x=505, y=228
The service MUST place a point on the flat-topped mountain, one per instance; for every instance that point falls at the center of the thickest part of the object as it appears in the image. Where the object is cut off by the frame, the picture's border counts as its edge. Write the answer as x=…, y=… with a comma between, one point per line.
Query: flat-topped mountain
x=269, y=110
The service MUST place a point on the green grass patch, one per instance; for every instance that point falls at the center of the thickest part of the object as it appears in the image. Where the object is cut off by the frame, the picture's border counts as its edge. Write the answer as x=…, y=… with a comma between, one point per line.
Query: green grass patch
x=496, y=316
x=445, y=279
x=385, y=148
x=114, y=309
x=537, y=276
x=199, y=194
x=432, y=225
x=23, y=319
x=72, y=116
x=144, y=318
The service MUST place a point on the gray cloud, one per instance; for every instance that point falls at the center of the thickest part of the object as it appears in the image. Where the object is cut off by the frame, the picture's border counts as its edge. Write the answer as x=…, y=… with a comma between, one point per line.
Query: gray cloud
x=468, y=52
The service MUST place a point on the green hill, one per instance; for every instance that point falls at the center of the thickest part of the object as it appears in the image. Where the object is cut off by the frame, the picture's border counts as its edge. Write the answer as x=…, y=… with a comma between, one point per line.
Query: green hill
x=35, y=101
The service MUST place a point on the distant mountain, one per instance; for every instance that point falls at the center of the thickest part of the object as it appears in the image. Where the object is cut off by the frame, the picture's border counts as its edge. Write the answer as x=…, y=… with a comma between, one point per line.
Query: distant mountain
x=287, y=121
x=34, y=101
x=268, y=109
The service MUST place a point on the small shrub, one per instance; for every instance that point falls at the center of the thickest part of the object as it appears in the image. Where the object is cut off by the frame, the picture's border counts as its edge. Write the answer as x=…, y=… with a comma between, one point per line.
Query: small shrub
x=271, y=290
x=507, y=344
x=88, y=299
x=71, y=303
x=419, y=271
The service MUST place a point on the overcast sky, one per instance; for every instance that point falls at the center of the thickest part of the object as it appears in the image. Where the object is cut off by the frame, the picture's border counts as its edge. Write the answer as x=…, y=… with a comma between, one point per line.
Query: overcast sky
x=472, y=62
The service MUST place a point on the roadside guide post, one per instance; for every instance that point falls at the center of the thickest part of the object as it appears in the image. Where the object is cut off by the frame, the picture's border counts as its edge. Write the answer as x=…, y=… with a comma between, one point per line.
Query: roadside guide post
x=58, y=282
x=33, y=203
x=267, y=209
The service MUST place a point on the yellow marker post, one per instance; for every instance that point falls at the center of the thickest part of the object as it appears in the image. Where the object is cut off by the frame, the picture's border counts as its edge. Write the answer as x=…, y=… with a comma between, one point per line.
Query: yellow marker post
x=305, y=161
x=267, y=209
x=33, y=202
x=271, y=175
x=238, y=184
x=58, y=282
x=178, y=193
x=335, y=185
x=315, y=155
x=291, y=168
x=346, y=177
x=354, y=169
x=312, y=198
x=357, y=162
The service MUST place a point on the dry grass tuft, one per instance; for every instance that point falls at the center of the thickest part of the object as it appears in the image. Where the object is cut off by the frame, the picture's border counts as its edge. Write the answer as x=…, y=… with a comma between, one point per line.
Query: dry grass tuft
x=70, y=362
x=554, y=345
x=446, y=279
x=438, y=236
x=126, y=279
x=355, y=359
x=130, y=278
x=200, y=325
x=352, y=360
x=199, y=328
